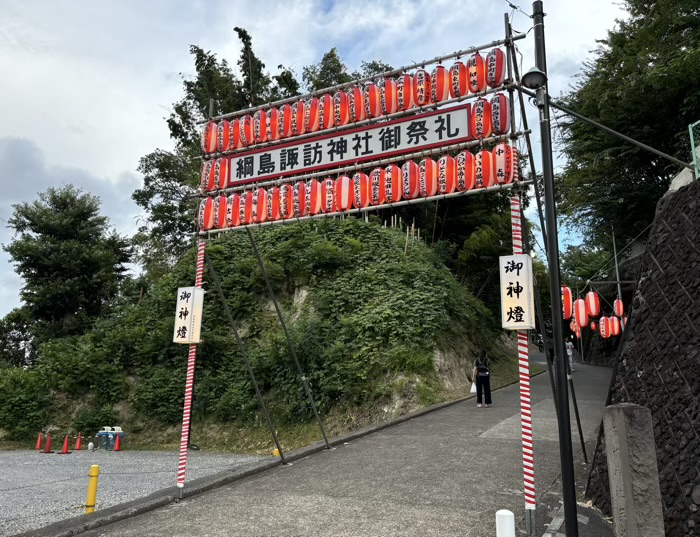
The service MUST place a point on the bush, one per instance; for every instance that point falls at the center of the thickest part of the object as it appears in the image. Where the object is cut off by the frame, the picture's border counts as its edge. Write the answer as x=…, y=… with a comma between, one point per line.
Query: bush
x=24, y=403
x=90, y=421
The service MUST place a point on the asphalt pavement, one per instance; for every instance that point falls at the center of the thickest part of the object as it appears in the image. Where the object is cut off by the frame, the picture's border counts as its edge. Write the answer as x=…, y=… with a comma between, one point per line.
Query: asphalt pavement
x=443, y=473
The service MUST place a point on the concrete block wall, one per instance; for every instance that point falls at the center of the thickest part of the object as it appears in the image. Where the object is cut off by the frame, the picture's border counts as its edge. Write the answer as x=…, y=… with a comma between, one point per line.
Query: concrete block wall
x=659, y=364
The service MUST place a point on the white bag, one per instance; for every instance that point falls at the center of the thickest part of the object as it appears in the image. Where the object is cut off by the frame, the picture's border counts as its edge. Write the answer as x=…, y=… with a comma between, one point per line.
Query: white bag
x=473, y=390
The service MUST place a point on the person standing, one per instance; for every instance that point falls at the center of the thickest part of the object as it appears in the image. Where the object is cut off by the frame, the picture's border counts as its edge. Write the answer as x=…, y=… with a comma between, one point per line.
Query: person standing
x=481, y=376
x=570, y=353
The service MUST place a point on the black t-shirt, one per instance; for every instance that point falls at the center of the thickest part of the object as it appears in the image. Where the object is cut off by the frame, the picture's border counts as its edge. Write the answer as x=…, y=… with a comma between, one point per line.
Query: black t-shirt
x=482, y=367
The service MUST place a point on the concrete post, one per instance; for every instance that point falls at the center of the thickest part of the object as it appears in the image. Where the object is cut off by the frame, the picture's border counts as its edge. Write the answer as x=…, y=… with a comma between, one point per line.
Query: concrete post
x=505, y=523
x=634, y=479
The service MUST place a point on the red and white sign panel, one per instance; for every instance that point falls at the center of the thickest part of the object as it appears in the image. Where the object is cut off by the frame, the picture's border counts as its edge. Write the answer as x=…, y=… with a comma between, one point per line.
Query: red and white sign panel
x=391, y=138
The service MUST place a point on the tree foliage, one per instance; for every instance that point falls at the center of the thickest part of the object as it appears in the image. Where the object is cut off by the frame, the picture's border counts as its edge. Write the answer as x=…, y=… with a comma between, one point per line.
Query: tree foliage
x=70, y=261
x=643, y=82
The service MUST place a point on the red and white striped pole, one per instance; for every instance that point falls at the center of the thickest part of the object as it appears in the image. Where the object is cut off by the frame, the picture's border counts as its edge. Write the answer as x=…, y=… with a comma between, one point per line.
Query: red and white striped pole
x=189, y=383
x=524, y=368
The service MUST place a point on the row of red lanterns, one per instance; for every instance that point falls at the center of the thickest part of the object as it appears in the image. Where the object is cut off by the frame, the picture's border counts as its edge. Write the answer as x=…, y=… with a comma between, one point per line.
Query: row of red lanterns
x=589, y=307
x=383, y=185
x=488, y=118
x=406, y=92
x=607, y=326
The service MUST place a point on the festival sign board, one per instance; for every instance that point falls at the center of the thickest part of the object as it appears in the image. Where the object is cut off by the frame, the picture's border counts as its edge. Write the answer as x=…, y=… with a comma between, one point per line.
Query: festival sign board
x=371, y=142
x=517, y=296
x=188, y=315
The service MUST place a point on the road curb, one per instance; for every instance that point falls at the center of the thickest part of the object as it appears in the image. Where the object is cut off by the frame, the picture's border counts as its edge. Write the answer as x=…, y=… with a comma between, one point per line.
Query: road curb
x=83, y=523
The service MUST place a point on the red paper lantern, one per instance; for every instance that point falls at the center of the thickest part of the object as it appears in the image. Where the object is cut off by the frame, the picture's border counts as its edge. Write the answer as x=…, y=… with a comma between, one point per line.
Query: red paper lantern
x=223, y=135
x=245, y=127
x=615, y=326
x=234, y=134
x=284, y=121
x=484, y=176
x=358, y=111
x=500, y=114
x=273, y=124
x=220, y=174
x=459, y=80
x=260, y=126
x=286, y=201
x=604, y=327
x=248, y=207
x=341, y=109
x=447, y=174
x=361, y=190
x=209, y=137
x=593, y=303
x=566, y=303
x=410, y=180
x=503, y=163
x=388, y=96
x=343, y=193
x=404, y=93
x=273, y=203
x=481, y=119
x=422, y=87
x=260, y=205
x=300, y=208
x=242, y=214
x=440, y=84
x=298, y=118
x=233, y=217
x=327, y=189
x=391, y=183
x=373, y=101
x=495, y=68
x=618, y=307
x=573, y=326
x=315, y=194
x=466, y=171
x=428, y=180
x=580, y=312
x=477, y=73
x=376, y=186
x=207, y=170
x=220, y=212
x=326, y=119
x=593, y=326
x=312, y=115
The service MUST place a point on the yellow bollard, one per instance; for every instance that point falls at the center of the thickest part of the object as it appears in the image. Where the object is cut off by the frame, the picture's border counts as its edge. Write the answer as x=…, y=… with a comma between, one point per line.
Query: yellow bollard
x=92, y=489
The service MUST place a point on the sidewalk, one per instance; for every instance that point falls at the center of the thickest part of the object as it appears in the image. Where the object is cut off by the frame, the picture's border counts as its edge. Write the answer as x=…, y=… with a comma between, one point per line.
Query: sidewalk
x=444, y=473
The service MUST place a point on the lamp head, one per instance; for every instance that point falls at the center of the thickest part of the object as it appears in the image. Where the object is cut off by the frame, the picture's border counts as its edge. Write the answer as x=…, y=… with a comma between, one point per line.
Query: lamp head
x=534, y=79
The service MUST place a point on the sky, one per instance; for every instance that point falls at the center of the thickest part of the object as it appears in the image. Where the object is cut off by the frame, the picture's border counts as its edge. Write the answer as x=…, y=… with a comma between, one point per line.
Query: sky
x=86, y=85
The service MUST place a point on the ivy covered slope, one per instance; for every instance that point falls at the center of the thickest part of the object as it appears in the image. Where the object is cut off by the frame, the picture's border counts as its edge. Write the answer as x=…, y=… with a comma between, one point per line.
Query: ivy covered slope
x=377, y=332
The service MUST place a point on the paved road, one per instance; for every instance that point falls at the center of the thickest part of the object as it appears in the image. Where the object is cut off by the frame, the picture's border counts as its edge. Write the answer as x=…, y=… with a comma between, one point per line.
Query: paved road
x=37, y=489
x=445, y=473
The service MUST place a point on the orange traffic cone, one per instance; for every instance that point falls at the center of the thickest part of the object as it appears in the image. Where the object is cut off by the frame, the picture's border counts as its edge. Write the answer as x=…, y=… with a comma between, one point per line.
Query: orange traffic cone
x=118, y=443
x=47, y=447
x=38, y=442
x=65, y=451
x=79, y=442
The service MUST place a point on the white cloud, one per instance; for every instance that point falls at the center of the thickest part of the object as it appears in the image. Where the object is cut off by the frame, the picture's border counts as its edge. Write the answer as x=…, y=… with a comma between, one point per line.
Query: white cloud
x=87, y=86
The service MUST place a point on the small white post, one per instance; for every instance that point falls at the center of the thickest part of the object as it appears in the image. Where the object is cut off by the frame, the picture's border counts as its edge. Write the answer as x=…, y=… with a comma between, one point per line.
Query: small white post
x=505, y=523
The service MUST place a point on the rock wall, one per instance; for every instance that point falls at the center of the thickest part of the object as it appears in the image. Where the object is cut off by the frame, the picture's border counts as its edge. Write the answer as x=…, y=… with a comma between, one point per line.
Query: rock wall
x=658, y=365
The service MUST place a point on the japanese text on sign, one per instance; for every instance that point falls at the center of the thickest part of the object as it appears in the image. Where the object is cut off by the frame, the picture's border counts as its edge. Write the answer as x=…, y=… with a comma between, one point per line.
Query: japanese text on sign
x=188, y=315
x=517, y=296
x=373, y=142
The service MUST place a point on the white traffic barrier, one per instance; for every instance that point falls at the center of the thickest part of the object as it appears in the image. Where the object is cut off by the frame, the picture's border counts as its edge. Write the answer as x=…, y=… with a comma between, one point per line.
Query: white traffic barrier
x=505, y=523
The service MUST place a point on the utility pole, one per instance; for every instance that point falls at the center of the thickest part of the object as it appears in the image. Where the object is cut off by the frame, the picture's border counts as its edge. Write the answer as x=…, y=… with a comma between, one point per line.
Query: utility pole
x=565, y=447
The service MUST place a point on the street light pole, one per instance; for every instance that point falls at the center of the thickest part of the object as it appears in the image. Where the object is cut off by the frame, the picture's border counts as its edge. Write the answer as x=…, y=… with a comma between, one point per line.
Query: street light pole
x=565, y=447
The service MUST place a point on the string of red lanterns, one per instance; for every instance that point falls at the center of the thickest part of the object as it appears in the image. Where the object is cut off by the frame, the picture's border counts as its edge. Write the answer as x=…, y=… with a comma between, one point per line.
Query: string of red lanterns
x=370, y=101
x=383, y=185
x=583, y=311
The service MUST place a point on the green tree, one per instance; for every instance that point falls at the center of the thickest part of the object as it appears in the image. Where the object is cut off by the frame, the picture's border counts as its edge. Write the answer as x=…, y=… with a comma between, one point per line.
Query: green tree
x=330, y=71
x=69, y=259
x=643, y=82
x=17, y=346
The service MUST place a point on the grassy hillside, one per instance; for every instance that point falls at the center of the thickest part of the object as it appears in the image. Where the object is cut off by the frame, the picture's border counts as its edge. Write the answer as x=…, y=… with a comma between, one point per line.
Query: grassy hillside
x=378, y=333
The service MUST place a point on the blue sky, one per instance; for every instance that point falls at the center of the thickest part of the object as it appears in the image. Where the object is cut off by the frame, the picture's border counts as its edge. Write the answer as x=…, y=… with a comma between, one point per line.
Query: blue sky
x=86, y=85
